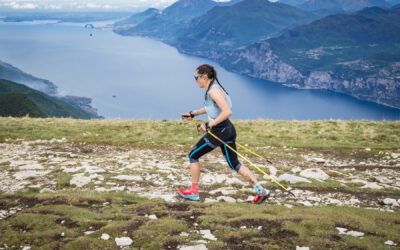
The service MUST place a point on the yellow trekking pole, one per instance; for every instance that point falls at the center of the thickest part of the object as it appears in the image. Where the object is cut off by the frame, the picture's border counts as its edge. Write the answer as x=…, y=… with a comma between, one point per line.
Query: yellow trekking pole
x=208, y=131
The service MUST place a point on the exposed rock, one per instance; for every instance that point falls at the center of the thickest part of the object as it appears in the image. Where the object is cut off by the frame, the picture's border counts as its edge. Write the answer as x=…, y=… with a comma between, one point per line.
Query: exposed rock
x=372, y=186
x=213, y=178
x=314, y=173
x=184, y=234
x=208, y=235
x=390, y=243
x=224, y=191
x=355, y=233
x=27, y=174
x=80, y=180
x=153, y=217
x=128, y=178
x=292, y=179
x=341, y=230
x=195, y=247
x=272, y=171
x=226, y=199
x=123, y=241
x=351, y=233
x=389, y=201
x=296, y=170
x=105, y=236
x=305, y=203
x=302, y=248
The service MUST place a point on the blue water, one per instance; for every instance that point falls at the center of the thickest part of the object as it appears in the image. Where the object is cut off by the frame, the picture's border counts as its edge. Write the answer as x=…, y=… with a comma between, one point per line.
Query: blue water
x=151, y=80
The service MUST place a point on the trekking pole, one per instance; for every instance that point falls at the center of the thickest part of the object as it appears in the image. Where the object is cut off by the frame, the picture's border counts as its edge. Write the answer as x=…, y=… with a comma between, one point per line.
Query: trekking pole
x=208, y=131
x=237, y=144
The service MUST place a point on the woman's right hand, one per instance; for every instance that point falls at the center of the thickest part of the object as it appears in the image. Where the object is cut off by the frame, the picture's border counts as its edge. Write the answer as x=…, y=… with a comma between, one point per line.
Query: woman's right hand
x=186, y=116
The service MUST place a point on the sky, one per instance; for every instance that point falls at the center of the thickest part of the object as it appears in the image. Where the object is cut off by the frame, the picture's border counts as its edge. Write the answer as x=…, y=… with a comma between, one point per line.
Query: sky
x=84, y=5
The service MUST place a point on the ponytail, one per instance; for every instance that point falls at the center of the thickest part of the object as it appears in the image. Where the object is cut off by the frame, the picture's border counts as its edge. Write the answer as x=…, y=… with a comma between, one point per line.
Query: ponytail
x=211, y=73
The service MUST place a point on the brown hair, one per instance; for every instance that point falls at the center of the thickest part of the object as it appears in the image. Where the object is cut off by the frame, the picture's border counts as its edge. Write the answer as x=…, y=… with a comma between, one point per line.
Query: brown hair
x=209, y=70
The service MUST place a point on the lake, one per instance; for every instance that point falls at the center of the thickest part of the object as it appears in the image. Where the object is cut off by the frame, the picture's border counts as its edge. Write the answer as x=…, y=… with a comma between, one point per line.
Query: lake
x=140, y=78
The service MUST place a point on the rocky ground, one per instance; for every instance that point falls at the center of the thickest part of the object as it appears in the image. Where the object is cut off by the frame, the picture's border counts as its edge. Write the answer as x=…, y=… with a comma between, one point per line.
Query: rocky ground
x=363, y=178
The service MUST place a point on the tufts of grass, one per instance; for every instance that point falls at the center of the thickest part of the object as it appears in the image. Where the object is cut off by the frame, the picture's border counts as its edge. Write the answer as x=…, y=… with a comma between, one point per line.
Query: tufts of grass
x=120, y=214
x=162, y=134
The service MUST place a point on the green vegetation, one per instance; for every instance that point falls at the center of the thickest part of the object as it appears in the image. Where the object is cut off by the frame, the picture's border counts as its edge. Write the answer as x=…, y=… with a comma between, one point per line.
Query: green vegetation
x=162, y=134
x=342, y=38
x=241, y=24
x=49, y=105
x=60, y=220
x=18, y=105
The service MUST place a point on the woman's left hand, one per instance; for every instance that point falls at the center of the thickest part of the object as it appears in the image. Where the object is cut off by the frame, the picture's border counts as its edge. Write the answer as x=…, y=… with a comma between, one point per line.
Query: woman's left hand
x=204, y=127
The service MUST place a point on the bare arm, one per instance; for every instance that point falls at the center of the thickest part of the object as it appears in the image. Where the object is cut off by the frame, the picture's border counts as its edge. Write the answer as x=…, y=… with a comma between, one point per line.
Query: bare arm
x=195, y=112
x=219, y=98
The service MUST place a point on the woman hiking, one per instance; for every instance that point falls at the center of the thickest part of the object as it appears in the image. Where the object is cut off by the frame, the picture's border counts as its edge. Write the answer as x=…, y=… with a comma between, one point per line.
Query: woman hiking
x=217, y=105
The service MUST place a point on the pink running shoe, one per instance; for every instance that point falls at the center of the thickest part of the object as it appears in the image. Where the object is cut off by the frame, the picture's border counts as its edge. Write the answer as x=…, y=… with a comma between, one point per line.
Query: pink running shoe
x=261, y=198
x=189, y=194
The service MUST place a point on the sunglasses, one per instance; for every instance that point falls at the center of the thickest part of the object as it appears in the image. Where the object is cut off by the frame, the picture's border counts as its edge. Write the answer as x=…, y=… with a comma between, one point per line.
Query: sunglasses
x=197, y=77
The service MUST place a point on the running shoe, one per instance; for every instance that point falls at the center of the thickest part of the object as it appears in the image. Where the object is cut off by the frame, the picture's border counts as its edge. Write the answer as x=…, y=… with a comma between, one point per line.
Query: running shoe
x=262, y=197
x=189, y=194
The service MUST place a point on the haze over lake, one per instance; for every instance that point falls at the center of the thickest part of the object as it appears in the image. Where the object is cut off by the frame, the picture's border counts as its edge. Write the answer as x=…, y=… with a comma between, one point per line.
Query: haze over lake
x=140, y=78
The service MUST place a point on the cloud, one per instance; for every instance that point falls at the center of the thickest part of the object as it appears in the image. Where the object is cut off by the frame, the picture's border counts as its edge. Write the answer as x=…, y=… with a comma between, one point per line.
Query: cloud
x=15, y=5
x=124, y=5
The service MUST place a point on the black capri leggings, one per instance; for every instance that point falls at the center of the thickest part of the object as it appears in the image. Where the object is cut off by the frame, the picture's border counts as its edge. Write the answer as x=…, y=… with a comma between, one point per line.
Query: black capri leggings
x=227, y=133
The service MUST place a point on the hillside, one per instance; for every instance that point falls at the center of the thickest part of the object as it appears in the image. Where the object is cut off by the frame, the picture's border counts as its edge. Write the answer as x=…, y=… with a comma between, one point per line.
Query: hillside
x=238, y=25
x=19, y=105
x=11, y=73
x=49, y=105
x=87, y=184
x=172, y=21
x=329, y=7
x=133, y=20
x=169, y=23
x=355, y=54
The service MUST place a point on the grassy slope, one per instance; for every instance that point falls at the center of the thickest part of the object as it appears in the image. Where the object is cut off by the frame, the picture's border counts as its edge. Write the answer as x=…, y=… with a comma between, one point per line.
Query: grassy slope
x=40, y=224
x=18, y=105
x=162, y=134
x=50, y=105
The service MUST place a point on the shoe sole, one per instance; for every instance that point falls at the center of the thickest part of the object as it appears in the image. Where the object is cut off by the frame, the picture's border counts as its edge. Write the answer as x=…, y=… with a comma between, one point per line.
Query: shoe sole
x=263, y=198
x=193, y=198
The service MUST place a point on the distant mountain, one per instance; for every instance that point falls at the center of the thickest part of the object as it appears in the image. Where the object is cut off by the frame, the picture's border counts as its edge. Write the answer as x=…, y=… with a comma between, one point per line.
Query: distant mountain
x=340, y=38
x=139, y=17
x=329, y=7
x=187, y=9
x=134, y=20
x=74, y=16
x=18, y=105
x=241, y=24
x=393, y=2
x=11, y=73
x=356, y=54
x=170, y=23
x=49, y=105
x=293, y=2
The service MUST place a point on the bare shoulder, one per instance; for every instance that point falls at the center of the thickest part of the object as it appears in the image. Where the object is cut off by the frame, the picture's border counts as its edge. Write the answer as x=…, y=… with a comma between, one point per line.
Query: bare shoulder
x=216, y=93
